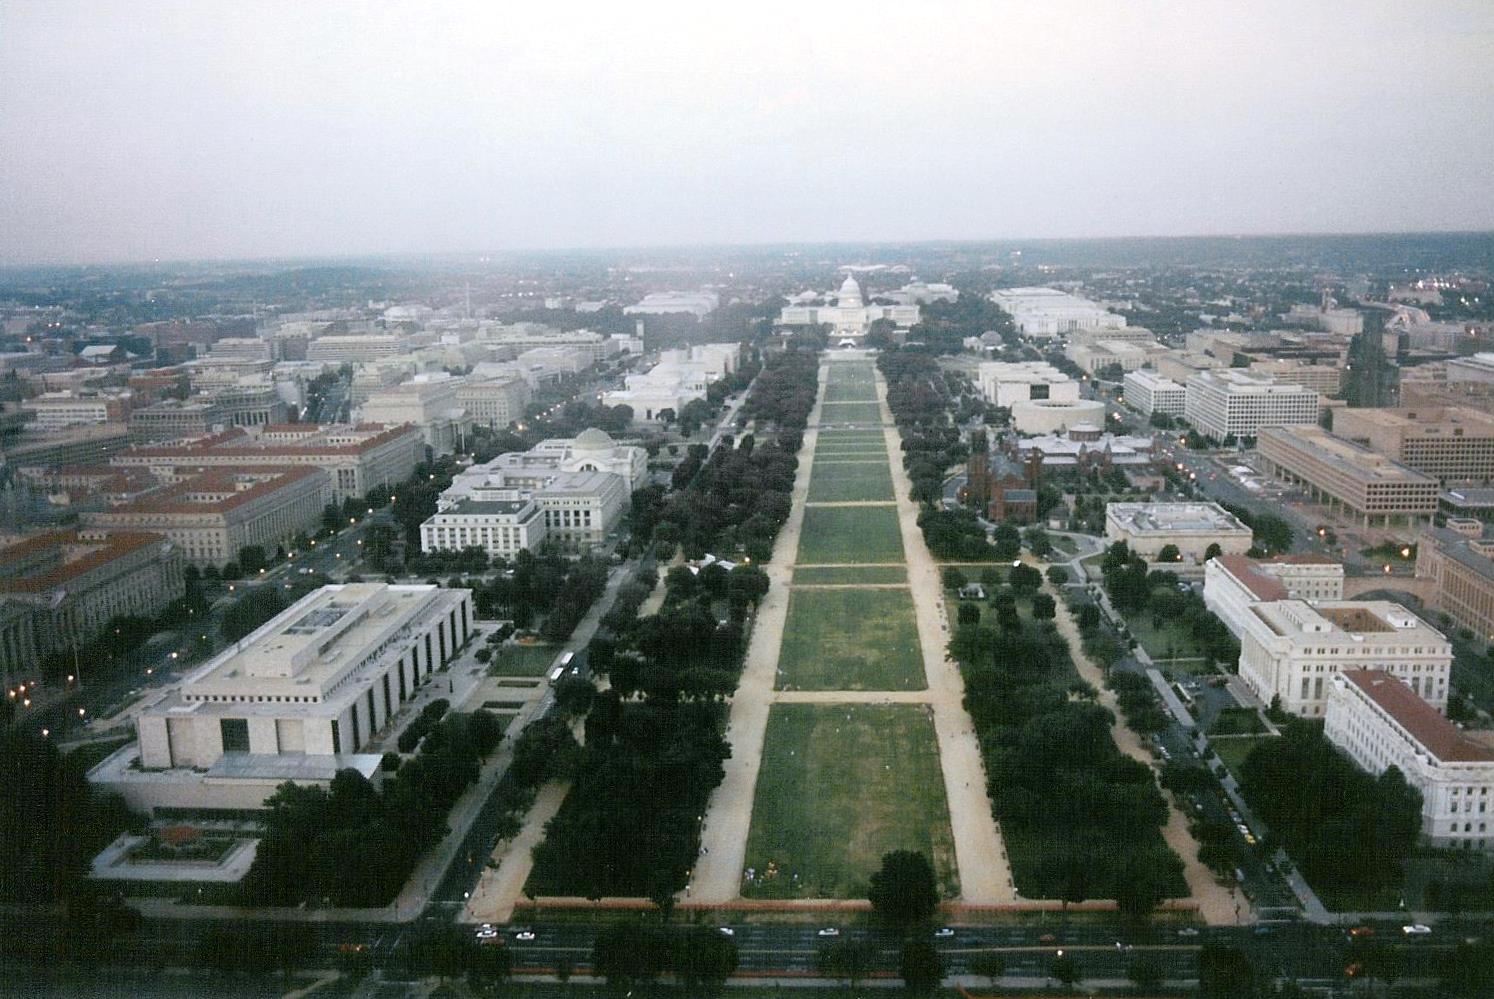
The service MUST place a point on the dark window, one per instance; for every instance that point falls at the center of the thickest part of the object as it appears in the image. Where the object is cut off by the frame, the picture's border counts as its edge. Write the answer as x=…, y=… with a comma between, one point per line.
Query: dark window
x=428, y=663
x=336, y=738
x=235, y=734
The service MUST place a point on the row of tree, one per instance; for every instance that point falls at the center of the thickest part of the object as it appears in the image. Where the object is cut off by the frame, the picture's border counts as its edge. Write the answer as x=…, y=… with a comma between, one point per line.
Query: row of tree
x=310, y=832
x=1082, y=817
x=654, y=751
x=1346, y=829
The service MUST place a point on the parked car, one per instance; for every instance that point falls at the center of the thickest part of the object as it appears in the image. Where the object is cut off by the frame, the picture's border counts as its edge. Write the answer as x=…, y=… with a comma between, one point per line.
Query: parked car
x=829, y=931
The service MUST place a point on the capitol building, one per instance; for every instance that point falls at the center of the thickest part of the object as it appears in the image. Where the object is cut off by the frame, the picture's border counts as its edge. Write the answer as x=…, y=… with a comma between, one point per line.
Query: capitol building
x=850, y=317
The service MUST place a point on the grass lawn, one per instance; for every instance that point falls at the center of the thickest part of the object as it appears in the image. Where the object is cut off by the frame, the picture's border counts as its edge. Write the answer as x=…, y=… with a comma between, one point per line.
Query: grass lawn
x=842, y=481
x=1232, y=750
x=522, y=660
x=850, y=534
x=91, y=754
x=850, y=412
x=840, y=786
x=851, y=392
x=850, y=640
x=1165, y=640
x=830, y=574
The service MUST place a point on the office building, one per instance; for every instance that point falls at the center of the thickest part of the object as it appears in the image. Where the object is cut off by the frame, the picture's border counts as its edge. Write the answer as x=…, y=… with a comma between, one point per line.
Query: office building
x=355, y=348
x=500, y=527
x=1007, y=382
x=427, y=401
x=1147, y=528
x=1148, y=393
x=1449, y=443
x=1347, y=476
x=494, y=402
x=1048, y=312
x=358, y=457
x=581, y=506
x=60, y=410
x=1231, y=403
x=1461, y=568
x=695, y=303
x=172, y=419
x=298, y=699
x=59, y=589
x=212, y=515
x=1291, y=649
x=88, y=444
x=249, y=402
x=1235, y=583
x=1379, y=723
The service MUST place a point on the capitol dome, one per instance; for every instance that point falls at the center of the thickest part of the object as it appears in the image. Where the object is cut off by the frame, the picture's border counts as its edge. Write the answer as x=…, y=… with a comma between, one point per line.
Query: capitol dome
x=592, y=439
x=849, y=294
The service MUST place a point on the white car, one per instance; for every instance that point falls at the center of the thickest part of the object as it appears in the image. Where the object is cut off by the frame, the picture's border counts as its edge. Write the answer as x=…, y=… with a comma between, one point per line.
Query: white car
x=943, y=933
x=1416, y=930
x=829, y=931
x=487, y=931
x=524, y=935
x=726, y=931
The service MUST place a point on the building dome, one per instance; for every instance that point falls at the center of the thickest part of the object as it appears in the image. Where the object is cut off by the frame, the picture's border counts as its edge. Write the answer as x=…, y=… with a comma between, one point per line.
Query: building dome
x=849, y=294
x=592, y=439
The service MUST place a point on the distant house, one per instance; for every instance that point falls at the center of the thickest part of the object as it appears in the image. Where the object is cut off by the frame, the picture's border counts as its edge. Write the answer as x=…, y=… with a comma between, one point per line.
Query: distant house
x=972, y=591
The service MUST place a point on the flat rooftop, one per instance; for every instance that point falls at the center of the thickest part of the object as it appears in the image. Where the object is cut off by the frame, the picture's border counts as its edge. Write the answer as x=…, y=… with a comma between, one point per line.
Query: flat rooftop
x=305, y=652
x=1347, y=622
x=1145, y=518
x=1428, y=420
x=1345, y=456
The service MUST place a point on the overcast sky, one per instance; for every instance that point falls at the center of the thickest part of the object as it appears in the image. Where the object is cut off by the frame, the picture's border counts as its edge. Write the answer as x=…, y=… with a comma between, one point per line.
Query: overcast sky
x=131, y=131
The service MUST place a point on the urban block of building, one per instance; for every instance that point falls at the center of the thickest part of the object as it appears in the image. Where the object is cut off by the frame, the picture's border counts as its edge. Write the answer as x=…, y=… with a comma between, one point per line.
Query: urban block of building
x=1235, y=583
x=427, y=401
x=695, y=303
x=173, y=419
x=1147, y=528
x=212, y=515
x=59, y=589
x=60, y=410
x=494, y=402
x=1148, y=392
x=1048, y=312
x=1462, y=570
x=358, y=457
x=91, y=444
x=297, y=699
x=1291, y=649
x=1347, y=476
x=355, y=348
x=1451, y=443
x=1379, y=722
x=1227, y=402
x=1005, y=383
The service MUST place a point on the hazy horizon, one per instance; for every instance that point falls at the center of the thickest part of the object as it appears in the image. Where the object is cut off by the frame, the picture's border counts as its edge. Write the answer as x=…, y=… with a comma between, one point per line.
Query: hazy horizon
x=130, y=133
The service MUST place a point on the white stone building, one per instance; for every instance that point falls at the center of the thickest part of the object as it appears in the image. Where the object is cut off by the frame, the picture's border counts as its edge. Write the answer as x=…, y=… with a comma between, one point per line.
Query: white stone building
x=1291, y=649
x=427, y=401
x=1148, y=392
x=1008, y=382
x=501, y=527
x=1379, y=723
x=297, y=699
x=1235, y=583
x=1147, y=528
x=1227, y=401
x=1048, y=312
x=850, y=317
x=680, y=376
